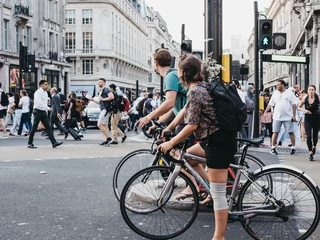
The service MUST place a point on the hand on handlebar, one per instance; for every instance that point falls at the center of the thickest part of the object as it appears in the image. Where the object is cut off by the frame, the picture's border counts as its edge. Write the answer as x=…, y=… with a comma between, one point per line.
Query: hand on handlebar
x=165, y=147
x=164, y=131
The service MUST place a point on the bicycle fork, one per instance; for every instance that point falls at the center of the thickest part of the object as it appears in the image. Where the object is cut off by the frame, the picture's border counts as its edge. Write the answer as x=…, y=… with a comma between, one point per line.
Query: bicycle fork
x=174, y=172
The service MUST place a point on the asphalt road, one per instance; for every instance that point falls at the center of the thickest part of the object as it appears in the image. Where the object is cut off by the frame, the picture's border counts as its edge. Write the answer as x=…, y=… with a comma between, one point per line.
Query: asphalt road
x=74, y=200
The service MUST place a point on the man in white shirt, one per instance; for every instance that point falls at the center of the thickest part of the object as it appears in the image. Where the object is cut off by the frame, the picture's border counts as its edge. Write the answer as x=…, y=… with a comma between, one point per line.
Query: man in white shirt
x=3, y=112
x=284, y=113
x=24, y=102
x=40, y=114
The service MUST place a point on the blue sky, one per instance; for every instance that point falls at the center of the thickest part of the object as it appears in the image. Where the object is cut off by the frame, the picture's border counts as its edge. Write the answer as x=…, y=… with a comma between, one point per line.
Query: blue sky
x=237, y=18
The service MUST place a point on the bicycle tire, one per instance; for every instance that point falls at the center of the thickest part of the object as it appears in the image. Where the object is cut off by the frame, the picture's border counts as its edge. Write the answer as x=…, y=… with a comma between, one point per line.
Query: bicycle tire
x=158, y=228
x=290, y=221
x=134, y=167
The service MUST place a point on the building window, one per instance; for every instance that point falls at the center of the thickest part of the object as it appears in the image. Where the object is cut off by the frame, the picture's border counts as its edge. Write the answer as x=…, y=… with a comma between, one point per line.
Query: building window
x=17, y=38
x=70, y=16
x=28, y=38
x=50, y=41
x=5, y=34
x=87, y=16
x=87, y=42
x=87, y=66
x=74, y=66
x=70, y=42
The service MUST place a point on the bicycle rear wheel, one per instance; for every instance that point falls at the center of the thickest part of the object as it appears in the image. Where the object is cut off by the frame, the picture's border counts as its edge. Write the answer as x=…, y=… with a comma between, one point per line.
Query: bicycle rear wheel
x=297, y=197
x=132, y=163
x=150, y=217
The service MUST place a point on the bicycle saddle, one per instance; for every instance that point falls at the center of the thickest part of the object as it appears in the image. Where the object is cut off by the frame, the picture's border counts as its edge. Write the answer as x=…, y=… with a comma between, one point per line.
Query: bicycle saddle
x=254, y=141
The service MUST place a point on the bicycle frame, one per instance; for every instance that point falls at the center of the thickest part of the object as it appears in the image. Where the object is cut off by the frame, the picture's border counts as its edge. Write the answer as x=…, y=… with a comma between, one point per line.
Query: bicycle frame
x=242, y=171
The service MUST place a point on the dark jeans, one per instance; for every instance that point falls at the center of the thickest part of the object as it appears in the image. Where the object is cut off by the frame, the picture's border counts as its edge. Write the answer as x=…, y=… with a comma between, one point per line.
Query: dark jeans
x=25, y=119
x=264, y=128
x=55, y=120
x=41, y=116
x=311, y=123
x=134, y=118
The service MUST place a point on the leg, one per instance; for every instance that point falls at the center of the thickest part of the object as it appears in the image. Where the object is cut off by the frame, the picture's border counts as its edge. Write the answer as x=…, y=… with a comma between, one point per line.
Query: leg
x=45, y=121
x=114, y=126
x=57, y=123
x=22, y=121
x=218, y=179
x=103, y=123
x=36, y=122
x=315, y=132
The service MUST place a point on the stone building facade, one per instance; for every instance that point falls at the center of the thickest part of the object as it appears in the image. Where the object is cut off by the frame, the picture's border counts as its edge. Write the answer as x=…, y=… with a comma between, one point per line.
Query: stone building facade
x=300, y=20
x=113, y=39
x=38, y=25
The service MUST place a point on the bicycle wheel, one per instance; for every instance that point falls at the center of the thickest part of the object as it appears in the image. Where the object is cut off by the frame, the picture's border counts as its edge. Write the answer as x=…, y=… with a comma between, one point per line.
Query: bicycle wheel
x=132, y=163
x=144, y=212
x=297, y=196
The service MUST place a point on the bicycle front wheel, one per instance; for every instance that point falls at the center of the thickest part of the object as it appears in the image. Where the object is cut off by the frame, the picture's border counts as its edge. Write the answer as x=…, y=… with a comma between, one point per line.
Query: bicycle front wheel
x=132, y=163
x=152, y=217
x=292, y=193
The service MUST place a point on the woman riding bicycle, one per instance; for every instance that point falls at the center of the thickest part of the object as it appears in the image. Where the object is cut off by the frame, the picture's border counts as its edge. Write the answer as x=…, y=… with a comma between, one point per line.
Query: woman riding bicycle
x=218, y=145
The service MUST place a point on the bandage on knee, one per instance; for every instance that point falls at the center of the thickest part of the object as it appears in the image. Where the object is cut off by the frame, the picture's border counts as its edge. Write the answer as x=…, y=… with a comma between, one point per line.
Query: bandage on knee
x=218, y=193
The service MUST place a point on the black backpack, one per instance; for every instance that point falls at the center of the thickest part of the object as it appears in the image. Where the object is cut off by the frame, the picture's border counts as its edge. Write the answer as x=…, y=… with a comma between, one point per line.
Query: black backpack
x=117, y=103
x=231, y=111
x=4, y=99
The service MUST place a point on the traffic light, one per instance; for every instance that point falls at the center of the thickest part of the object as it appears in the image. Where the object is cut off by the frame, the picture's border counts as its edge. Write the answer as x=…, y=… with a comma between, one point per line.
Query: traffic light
x=31, y=63
x=265, y=34
x=198, y=54
x=23, y=55
x=186, y=46
x=279, y=41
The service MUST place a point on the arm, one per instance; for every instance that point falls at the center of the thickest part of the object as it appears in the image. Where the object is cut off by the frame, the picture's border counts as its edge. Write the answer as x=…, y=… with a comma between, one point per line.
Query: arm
x=109, y=98
x=165, y=107
x=20, y=103
x=56, y=100
x=300, y=107
x=167, y=117
x=177, y=120
x=185, y=132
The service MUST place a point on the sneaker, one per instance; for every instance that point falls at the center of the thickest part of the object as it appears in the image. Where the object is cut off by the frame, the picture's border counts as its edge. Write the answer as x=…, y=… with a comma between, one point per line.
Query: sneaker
x=279, y=144
x=110, y=141
x=83, y=129
x=311, y=157
x=113, y=143
x=313, y=151
x=124, y=138
x=105, y=142
x=273, y=151
x=289, y=145
x=293, y=151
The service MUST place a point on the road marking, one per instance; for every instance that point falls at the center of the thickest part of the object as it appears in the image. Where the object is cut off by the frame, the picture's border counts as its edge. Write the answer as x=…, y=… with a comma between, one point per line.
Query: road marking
x=38, y=159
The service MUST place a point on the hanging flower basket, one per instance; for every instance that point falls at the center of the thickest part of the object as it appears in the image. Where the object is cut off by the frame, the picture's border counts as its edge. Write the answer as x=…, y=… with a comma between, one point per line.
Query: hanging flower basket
x=211, y=69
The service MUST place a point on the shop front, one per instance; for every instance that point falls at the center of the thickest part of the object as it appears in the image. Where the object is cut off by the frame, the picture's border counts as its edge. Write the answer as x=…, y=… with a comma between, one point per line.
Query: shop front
x=27, y=82
x=52, y=77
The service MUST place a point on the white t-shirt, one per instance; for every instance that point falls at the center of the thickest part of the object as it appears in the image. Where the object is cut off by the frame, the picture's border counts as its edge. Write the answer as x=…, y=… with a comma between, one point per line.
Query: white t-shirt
x=242, y=95
x=24, y=102
x=282, y=103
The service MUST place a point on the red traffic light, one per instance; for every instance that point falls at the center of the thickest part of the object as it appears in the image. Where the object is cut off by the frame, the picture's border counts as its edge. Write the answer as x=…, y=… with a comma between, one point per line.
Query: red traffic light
x=266, y=26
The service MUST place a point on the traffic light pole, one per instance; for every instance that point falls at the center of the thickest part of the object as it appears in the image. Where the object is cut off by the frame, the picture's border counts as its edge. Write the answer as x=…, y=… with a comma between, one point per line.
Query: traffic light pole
x=256, y=71
x=261, y=71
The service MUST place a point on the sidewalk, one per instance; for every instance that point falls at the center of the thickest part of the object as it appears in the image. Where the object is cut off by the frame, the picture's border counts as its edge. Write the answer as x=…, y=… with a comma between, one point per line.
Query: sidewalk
x=300, y=160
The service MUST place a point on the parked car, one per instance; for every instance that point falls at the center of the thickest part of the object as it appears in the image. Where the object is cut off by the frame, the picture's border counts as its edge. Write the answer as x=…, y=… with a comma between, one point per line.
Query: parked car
x=92, y=112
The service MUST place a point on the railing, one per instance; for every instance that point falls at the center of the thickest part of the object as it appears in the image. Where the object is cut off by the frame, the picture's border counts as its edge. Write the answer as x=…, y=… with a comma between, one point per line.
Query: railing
x=20, y=9
x=53, y=56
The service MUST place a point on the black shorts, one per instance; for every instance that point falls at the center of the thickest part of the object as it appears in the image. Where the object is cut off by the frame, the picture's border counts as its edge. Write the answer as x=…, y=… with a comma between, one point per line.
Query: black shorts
x=77, y=116
x=3, y=113
x=220, y=148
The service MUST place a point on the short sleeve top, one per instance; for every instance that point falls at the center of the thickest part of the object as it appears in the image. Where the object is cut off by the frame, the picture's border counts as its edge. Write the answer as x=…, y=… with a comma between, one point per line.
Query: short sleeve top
x=200, y=110
x=172, y=83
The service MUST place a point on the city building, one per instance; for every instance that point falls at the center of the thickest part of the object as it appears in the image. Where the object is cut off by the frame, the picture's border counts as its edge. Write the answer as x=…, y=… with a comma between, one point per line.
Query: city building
x=299, y=19
x=113, y=39
x=39, y=26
